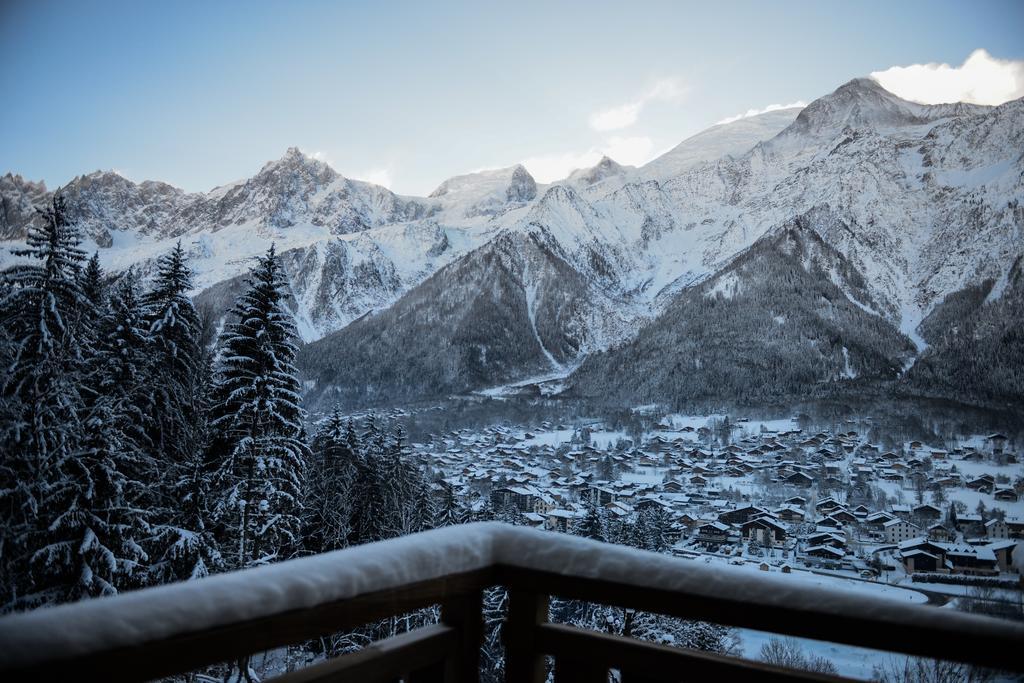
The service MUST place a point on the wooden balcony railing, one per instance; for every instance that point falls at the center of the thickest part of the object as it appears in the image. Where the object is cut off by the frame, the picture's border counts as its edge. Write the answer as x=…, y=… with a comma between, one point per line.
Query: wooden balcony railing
x=174, y=629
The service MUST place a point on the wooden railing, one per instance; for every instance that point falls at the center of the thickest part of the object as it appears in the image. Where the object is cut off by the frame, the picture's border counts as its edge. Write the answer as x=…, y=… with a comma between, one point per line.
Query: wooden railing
x=174, y=629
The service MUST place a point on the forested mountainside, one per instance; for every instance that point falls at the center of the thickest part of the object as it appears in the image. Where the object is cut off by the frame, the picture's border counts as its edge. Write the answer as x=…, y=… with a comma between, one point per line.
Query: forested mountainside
x=511, y=307
x=785, y=318
x=976, y=339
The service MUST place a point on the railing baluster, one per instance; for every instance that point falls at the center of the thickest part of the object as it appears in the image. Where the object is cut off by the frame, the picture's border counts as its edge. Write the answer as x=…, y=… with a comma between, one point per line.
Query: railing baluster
x=524, y=662
x=465, y=614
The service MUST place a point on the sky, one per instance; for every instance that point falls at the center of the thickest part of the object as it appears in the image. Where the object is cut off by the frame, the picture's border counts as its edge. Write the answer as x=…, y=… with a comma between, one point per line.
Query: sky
x=406, y=94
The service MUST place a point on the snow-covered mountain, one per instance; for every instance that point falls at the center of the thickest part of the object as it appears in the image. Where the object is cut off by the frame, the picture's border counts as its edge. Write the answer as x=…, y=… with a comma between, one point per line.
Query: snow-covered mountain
x=725, y=139
x=916, y=202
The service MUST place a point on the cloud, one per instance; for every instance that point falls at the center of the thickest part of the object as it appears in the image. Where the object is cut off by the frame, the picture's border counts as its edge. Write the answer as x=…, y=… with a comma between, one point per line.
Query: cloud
x=624, y=115
x=377, y=176
x=756, y=112
x=981, y=79
x=631, y=151
x=321, y=156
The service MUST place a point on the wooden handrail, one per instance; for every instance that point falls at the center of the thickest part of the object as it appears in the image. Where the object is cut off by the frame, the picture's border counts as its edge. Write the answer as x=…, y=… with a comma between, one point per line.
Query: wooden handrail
x=173, y=629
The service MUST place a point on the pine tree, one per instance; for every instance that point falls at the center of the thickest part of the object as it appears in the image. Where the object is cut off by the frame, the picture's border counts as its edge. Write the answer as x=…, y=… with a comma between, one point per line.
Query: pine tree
x=449, y=511
x=40, y=316
x=93, y=282
x=330, y=479
x=256, y=425
x=183, y=544
x=177, y=427
x=593, y=525
x=94, y=545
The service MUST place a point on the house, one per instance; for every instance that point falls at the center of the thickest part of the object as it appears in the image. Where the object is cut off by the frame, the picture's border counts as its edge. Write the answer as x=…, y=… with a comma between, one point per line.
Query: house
x=1006, y=495
x=1003, y=550
x=937, y=532
x=764, y=531
x=798, y=479
x=995, y=528
x=926, y=512
x=876, y=520
x=790, y=513
x=713, y=532
x=826, y=538
x=898, y=530
x=520, y=497
x=741, y=515
x=976, y=561
x=920, y=561
x=827, y=552
x=996, y=442
x=985, y=483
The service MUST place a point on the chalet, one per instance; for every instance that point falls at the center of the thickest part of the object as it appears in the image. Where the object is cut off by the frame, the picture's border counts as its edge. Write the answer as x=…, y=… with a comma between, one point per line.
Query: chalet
x=920, y=561
x=826, y=538
x=826, y=552
x=898, y=530
x=799, y=501
x=902, y=511
x=713, y=532
x=1015, y=527
x=971, y=525
x=844, y=516
x=1003, y=550
x=828, y=523
x=764, y=531
x=985, y=483
x=741, y=515
x=995, y=528
x=799, y=479
x=1006, y=495
x=997, y=443
x=937, y=532
x=826, y=504
x=976, y=561
x=790, y=513
x=926, y=513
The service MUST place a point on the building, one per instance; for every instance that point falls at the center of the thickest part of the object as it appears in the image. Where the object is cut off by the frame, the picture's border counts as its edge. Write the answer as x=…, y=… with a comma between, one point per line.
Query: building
x=899, y=530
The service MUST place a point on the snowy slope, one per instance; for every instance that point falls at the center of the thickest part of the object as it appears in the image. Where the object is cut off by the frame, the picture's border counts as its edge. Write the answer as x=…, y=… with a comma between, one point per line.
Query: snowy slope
x=727, y=139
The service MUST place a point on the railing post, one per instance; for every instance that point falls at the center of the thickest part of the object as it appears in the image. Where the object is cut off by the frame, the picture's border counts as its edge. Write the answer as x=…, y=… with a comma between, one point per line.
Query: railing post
x=524, y=662
x=465, y=613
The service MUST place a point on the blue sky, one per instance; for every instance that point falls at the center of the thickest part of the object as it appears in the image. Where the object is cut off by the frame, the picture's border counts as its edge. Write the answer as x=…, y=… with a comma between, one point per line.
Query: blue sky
x=409, y=93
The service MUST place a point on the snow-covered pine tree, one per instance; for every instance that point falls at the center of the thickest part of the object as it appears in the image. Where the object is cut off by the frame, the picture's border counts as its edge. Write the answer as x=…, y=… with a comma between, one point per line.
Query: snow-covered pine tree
x=256, y=425
x=39, y=320
x=449, y=512
x=371, y=518
x=99, y=511
x=183, y=546
x=177, y=427
x=330, y=476
x=593, y=525
x=94, y=285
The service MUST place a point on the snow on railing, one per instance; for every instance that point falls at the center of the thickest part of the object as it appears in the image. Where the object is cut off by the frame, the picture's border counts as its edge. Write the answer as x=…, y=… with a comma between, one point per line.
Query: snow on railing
x=156, y=614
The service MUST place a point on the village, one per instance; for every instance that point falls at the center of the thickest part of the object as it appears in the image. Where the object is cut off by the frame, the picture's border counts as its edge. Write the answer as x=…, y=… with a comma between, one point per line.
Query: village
x=776, y=498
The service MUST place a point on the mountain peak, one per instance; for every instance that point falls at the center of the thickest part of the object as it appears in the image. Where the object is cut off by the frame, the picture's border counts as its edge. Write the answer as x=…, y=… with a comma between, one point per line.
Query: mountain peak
x=485, y=192
x=605, y=168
